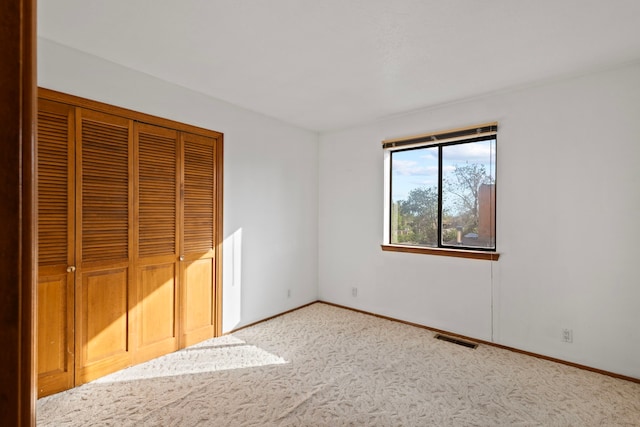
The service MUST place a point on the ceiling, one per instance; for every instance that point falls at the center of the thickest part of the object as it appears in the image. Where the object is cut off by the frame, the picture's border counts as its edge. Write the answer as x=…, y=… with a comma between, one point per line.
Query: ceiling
x=329, y=64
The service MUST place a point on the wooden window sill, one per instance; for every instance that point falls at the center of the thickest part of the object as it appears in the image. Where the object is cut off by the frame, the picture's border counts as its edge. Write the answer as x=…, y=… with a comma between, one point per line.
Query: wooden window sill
x=458, y=253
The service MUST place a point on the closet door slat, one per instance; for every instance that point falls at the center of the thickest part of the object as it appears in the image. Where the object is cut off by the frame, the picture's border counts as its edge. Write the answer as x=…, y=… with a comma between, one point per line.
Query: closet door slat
x=105, y=283
x=56, y=210
x=199, y=192
x=198, y=268
x=157, y=203
x=105, y=189
x=156, y=234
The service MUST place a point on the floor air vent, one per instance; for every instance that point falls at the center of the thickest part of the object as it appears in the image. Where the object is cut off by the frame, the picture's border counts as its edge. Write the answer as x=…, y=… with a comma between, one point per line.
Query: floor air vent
x=456, y=341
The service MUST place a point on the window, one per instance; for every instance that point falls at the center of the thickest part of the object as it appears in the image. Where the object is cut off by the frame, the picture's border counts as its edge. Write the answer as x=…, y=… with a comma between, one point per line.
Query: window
x=441, y=190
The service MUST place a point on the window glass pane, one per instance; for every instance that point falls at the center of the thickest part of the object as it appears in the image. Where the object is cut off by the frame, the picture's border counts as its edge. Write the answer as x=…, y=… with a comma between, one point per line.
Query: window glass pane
x=468, y=194
x=414, y=197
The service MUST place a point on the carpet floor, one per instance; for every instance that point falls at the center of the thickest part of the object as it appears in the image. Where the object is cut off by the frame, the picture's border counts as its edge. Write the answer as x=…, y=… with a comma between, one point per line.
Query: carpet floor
x=326, y=366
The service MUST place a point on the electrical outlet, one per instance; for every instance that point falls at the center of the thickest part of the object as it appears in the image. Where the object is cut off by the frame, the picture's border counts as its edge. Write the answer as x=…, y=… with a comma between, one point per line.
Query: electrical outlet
x=567, y=335
x=354, y=292
x=288, y=293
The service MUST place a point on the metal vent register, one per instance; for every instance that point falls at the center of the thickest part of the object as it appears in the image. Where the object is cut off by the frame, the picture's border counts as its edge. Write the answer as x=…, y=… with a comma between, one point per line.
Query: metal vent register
x=456, y=341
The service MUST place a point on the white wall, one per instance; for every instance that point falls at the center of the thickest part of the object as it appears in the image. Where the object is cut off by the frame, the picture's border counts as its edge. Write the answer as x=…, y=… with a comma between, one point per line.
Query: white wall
x=568, y=195
x=270, y=180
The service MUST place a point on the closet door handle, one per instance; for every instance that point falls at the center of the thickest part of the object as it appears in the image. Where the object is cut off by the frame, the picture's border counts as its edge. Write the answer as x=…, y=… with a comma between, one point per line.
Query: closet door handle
x=71, y=269
x=181, y=258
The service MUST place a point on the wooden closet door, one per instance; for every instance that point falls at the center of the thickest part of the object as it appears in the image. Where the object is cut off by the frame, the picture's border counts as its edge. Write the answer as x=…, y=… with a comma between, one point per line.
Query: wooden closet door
x=197, y=266
x=156, y=236
x=56, y=194
x=104, y=236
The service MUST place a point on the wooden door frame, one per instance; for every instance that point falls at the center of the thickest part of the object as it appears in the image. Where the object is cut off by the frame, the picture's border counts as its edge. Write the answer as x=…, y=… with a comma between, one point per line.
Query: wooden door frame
x=18, y=212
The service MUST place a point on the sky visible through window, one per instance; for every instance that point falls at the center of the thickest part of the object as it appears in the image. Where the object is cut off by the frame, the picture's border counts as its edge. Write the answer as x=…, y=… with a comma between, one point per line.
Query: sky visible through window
x=418, y=168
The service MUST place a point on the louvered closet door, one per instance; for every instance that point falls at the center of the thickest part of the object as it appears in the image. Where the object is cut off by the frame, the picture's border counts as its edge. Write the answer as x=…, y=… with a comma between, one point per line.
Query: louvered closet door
x=55, y=353
x=156, y=240
x=104, y=237
x=198, y=265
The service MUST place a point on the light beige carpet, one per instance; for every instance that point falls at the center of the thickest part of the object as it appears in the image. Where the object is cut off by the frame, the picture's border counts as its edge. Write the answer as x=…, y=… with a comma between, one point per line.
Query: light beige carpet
x=326, y=366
